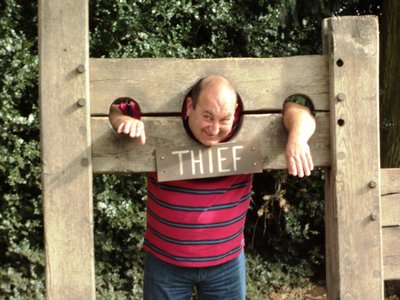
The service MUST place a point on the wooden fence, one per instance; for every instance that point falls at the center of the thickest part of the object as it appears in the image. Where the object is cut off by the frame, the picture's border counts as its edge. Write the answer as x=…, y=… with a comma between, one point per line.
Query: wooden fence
x=362, y=201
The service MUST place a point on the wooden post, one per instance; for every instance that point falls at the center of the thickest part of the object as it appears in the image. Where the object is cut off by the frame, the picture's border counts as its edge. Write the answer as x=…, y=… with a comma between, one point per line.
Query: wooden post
x=354, y=251
x=66, y=151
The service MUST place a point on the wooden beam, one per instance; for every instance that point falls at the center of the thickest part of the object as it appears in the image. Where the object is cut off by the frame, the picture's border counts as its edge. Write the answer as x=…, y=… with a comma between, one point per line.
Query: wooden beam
x=159, y=85
x=390, y=215
x=353, y=229
x=66, y=153
x=390, y=183
x=115, y=153
x=390, y=210
x=391, y=252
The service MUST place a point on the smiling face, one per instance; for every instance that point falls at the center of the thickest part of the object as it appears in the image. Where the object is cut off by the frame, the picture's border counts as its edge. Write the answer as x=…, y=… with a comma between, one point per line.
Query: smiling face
x=211, y=116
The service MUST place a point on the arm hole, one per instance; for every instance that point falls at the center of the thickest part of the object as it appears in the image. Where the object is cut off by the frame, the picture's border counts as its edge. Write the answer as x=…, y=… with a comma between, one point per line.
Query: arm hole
x=129, y=107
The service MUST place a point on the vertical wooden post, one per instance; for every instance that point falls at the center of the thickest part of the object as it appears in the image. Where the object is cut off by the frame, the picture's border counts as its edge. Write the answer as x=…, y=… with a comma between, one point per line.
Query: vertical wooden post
x=354, y=252
x=66, y=152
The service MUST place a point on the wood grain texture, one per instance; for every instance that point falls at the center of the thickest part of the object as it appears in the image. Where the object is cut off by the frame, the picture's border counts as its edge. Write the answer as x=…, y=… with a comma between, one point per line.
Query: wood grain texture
x=116, y=153
x=390, y=210
x=390, y=215
x=390, y=181
x=159, y=85
x=391, y=252
x=66, y=153
x=354, y=264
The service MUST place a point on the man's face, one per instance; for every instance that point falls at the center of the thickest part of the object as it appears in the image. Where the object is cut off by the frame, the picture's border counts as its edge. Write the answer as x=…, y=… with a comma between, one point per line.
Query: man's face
x=212, y=118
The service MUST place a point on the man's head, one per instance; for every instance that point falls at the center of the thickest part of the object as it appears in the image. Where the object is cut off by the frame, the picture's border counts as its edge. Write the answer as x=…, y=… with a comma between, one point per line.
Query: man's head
x=211, y=109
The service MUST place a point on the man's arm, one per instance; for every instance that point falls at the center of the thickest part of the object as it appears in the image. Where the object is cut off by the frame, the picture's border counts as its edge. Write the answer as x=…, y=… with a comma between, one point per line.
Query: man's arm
x=126, y=125
x=300, y=123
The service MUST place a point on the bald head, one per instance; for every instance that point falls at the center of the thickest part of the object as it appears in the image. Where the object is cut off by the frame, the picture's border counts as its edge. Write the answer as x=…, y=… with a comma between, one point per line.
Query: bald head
x=211, y=82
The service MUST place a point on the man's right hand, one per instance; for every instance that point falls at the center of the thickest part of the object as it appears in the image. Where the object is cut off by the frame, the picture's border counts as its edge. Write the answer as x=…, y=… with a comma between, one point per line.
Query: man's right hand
x=124, y=124
x=134, y=128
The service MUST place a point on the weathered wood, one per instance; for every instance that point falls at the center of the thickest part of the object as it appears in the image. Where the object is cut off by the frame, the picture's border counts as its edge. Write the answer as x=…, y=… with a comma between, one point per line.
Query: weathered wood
x=391, y=252
x=390, y=215
x=115, y=153
x=66, y=153
x=355, y=271
x=390, y=181
x=390, y=210
x=159, y=85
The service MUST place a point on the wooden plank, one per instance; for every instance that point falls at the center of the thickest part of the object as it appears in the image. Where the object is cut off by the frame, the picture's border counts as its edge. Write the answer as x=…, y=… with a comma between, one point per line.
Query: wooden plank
x=390, y=215
x=353, y=230
x=391, y=252
x=66, y=153
x=115, y=153
x=390, y=181
x=390, y=210
x=263, y=83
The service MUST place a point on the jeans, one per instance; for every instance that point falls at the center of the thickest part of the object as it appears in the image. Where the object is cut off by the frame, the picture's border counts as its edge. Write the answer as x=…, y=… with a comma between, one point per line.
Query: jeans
x=166, y=281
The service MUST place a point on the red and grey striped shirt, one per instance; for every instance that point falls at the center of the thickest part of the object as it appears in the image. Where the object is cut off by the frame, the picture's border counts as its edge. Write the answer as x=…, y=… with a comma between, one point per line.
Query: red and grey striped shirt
x=197, y=222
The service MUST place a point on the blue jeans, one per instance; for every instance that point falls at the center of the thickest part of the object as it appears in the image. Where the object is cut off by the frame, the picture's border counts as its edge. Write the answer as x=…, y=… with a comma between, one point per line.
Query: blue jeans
x=166, y=281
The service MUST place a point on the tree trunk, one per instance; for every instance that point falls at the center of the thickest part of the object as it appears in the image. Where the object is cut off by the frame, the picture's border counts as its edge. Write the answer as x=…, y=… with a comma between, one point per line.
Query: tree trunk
x=390, y=87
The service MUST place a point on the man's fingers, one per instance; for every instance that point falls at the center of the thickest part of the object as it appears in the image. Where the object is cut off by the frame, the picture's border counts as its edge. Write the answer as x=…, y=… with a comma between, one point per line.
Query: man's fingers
x=310, y=164
x=123, y=127
x=310, y=161
x=139, y=129
x=299, y=167
x=142, y=138
x=300, y=164
x=133, y=132
x=292, y=166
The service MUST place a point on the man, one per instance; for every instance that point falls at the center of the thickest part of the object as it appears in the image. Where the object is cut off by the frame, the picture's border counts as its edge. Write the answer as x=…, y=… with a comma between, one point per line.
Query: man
x=194, y=234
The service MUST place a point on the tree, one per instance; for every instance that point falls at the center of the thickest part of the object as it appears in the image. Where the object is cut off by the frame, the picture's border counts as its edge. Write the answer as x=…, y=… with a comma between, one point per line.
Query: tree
x=390, y=89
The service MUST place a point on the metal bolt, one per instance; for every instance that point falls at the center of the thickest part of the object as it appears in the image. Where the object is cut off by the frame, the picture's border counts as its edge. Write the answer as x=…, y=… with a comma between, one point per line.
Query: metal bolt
x=81, y=68
x=162, y=157
x=254, y=164
x=253, y=149
x=81, y=102
x=374, y=216
x=84, y=162
x=341, y=96
x=372, y=184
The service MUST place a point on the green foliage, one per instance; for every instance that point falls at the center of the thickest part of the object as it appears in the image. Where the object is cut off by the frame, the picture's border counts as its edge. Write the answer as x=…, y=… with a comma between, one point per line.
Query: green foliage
x=286, y=224
x=21, y=229
x=189, y=29
x=265, y=276
x=120, y=223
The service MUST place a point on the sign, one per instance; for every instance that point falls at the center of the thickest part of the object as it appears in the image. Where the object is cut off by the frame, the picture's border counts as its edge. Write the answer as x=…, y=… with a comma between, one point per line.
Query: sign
x=201, y=161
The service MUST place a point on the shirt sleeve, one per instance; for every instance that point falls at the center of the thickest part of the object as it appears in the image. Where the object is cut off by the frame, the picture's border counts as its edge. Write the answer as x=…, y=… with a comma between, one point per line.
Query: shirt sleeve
x=130, y=107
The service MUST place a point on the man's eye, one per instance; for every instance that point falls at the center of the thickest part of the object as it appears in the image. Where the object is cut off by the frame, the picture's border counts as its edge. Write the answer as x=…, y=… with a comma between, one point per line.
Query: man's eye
x=225, y=121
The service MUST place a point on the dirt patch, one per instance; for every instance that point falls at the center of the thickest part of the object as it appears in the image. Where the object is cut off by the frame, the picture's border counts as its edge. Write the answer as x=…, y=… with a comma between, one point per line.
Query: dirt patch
x=312, y=292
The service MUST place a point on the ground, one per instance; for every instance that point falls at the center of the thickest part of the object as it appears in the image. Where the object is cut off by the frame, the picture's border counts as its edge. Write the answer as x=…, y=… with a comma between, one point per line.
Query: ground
x=313, y=292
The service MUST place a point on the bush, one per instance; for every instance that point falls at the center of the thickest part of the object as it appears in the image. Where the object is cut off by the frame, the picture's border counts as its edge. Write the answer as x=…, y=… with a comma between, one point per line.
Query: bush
x=21, y=229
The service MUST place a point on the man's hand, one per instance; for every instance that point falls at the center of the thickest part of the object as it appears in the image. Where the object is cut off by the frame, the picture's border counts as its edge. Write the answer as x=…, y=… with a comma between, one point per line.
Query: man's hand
x=134, y=128
x=298, y=158
x=300, y=124
x=127, y=125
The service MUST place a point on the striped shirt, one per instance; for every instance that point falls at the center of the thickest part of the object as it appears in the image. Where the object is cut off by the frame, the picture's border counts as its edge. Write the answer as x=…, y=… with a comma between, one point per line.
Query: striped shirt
x=197, y=222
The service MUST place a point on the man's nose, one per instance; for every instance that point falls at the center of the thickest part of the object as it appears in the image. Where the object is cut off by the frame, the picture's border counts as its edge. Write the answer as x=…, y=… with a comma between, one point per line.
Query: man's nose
x=213, y=129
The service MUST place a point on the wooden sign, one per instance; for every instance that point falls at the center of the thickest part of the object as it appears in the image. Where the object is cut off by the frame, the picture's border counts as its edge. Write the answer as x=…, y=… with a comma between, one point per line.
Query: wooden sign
x=201, y=161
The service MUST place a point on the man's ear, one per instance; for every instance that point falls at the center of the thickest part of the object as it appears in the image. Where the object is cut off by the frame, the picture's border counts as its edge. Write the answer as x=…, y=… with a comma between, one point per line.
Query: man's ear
x=189, y=106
